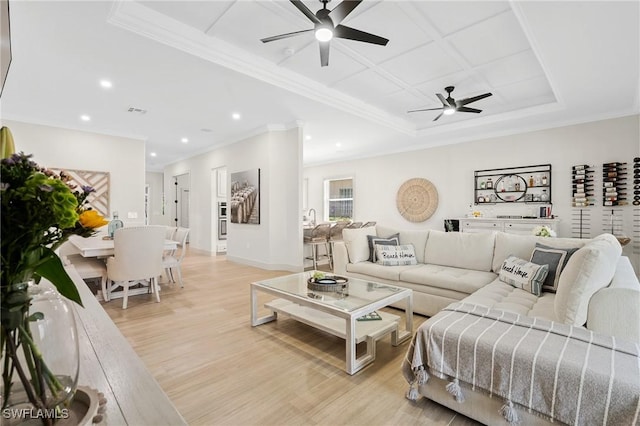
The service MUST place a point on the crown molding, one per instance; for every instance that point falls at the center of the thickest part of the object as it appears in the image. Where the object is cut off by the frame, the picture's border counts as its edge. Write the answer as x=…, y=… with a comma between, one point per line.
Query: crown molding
x=146, y=22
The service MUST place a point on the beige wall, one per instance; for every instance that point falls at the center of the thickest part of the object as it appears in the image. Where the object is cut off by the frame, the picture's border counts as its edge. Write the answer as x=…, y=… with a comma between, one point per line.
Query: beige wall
x=122, y=158
x=450, y=168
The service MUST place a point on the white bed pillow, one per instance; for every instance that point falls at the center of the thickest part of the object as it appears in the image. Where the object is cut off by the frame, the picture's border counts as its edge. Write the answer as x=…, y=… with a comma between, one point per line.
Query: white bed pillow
x=588, y=270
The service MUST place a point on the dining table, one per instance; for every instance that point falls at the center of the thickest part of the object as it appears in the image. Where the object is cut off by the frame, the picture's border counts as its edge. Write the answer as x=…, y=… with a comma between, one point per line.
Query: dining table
x=100, y=245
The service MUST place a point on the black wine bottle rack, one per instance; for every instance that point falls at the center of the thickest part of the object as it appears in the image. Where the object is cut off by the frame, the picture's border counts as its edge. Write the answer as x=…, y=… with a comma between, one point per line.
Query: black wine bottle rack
x=636, y=181
x=582, y=186
x=614, y=184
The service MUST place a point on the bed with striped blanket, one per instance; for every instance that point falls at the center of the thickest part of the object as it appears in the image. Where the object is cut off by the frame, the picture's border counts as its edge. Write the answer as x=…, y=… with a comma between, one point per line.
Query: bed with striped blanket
x=559, y=372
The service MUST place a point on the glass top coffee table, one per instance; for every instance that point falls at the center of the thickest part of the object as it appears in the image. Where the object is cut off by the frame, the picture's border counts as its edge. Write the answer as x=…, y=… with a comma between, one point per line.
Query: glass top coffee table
x=337, y=312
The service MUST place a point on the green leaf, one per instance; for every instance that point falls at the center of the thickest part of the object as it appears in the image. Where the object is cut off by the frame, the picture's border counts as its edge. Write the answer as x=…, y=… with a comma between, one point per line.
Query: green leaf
x=36, y=316
x=53, y=270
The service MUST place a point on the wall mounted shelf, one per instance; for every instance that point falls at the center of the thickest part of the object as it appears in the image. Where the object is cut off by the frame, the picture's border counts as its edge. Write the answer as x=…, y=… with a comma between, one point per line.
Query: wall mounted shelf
x=525, y=184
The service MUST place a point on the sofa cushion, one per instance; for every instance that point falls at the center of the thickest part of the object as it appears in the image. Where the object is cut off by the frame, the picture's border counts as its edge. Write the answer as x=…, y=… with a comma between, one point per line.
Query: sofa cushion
x=415, y=237
x=447, y=277
x=372, y=240
x=523, y=274
x=500, y=295
x=522, y=246
x=460, y=250
x=590, y=268
x=375, y=270
x=355, y=240
x=394, y=255
x=555, y=259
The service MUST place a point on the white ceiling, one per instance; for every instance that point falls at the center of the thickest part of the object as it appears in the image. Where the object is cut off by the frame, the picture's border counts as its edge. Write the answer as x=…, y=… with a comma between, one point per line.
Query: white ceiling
x=191, y=64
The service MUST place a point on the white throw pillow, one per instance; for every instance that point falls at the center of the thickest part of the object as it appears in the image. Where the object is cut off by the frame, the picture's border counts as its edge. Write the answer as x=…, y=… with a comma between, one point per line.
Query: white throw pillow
x=389, y=255
x=589, y=269
x=357, y=244
x=523, y=274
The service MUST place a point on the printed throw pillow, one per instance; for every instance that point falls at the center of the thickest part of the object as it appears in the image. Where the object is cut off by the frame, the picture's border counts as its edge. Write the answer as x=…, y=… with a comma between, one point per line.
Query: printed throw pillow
x=556, y=259
x=393, y=240
x=392, y=255
x=522, y=274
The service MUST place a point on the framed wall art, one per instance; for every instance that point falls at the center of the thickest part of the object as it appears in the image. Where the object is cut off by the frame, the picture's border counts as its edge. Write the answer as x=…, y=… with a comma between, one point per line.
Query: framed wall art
x=244, y=204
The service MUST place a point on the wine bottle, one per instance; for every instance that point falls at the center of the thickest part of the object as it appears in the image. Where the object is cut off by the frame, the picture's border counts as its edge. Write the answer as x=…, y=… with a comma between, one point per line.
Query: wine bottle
x=612, y=164
x=615, y=203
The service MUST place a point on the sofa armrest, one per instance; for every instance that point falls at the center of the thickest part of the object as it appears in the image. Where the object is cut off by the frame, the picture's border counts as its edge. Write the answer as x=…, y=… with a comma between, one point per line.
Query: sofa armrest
x=615, y=310
x=340, y=258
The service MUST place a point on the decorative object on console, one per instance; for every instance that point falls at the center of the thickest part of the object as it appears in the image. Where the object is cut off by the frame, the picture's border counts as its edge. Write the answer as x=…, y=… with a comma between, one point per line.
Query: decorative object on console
x=417, y=199
x=327, y=25
x=543, y=231
x=636, y=206
x=245, y=197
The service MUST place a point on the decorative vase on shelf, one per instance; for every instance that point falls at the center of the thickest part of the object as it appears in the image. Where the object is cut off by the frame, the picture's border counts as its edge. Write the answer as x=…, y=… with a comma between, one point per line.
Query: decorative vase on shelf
x=43, y=352
x=544, y=196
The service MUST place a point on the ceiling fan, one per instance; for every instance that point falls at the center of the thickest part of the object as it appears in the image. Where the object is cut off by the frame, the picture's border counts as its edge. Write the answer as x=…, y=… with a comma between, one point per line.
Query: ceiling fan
x=450, y=105
x=327, y=25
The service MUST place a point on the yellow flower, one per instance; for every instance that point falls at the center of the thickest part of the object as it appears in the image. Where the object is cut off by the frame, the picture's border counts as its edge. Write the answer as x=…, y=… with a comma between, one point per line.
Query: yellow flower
x=92, y=219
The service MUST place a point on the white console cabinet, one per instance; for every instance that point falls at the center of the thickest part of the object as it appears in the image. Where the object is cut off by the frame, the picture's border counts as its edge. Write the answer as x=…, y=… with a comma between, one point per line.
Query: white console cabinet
x=511, y=226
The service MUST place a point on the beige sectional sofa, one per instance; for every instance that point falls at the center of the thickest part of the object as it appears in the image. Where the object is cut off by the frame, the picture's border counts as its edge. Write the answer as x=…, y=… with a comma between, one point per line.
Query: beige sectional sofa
x=597, y=290
x=454, y=266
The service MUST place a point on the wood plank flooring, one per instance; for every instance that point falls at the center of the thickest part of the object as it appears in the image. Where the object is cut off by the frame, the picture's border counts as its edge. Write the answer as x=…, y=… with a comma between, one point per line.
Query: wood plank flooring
x=218, y=370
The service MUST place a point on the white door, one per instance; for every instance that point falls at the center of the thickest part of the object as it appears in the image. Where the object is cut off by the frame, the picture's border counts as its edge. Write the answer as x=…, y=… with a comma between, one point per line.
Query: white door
x=183, y=218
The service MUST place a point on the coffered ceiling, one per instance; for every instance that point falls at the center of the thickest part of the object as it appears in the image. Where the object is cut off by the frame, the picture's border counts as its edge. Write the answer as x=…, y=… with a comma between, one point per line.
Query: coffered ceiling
x=191, y=64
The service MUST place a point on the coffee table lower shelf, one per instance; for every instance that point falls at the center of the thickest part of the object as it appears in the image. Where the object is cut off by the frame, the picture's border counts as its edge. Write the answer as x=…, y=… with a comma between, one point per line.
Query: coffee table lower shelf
x=365, y=331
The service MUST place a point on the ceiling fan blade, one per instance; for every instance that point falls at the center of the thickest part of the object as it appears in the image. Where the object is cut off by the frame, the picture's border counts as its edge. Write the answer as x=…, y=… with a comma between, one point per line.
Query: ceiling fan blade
x=304, y=9
x=439, y=115
x=467, y=109
x=341, y=11
x=352, y=34
x=324, y=53
x=442, y=99
x=473, y=99
x=427, y=109
x=287, y=35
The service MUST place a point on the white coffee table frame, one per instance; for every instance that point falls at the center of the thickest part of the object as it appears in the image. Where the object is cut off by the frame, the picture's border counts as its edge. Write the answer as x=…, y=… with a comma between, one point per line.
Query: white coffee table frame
x=306, y=310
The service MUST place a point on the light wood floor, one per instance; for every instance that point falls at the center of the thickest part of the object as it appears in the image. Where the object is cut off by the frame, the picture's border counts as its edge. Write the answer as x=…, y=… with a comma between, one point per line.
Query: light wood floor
x=218, y=370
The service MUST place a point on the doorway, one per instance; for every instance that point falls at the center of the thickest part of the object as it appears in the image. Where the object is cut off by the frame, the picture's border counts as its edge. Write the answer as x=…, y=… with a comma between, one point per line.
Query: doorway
x=182, y=202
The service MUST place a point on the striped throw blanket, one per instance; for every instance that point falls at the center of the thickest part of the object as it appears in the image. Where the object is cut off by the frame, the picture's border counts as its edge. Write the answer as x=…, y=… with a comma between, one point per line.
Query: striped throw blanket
x=563, y=373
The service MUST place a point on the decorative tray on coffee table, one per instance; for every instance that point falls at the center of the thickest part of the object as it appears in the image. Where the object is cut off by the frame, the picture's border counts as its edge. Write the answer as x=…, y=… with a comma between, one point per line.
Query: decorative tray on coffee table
x=328, y=283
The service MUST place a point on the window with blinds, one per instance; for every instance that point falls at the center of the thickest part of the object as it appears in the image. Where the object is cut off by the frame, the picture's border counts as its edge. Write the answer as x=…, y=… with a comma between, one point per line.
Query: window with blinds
x=338, y=196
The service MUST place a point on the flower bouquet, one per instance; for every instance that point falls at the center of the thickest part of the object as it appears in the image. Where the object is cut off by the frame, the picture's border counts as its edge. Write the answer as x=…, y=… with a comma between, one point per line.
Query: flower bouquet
x=543, y=231
x=40, y=210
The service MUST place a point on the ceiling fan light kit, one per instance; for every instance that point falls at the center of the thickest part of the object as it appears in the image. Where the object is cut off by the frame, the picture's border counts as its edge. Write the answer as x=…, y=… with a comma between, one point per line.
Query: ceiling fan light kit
x=450, y=106
x=327, y=25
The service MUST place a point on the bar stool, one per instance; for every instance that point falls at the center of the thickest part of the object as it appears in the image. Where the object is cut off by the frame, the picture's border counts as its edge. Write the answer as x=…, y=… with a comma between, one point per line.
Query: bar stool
x=317, y=237
x=335, y=235
x=353, y=225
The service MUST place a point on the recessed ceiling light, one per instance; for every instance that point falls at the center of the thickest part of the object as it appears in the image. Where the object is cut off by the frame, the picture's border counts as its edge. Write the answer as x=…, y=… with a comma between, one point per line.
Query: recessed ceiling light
x=308, y=137
x=338, y=144
x=85, y=117
x=153, y=154
x=184, y=140
x=106, y=84
x=235, y=116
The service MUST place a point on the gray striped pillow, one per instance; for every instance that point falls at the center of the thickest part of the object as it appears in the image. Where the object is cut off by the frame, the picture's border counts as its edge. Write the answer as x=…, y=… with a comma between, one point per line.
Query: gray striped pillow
x=523, y=274
x=396, y=255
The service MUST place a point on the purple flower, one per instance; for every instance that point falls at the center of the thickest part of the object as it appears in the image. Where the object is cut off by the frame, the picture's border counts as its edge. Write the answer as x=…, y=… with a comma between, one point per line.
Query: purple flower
x=88, y=189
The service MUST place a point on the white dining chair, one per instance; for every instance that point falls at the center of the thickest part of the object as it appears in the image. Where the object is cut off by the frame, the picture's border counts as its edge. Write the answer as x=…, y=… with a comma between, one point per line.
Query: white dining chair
x=173, y=261
x=87, y=268
x=137, y=259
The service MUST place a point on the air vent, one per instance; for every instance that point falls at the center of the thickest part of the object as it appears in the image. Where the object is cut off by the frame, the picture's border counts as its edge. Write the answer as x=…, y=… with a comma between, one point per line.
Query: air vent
x=137, y=110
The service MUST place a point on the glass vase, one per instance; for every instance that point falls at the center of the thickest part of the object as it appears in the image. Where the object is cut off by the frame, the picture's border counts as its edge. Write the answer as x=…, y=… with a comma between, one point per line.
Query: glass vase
x=48, y=355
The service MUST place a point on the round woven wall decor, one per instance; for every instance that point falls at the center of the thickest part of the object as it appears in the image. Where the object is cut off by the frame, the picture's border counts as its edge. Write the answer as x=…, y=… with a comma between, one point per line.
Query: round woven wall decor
x=417, y=200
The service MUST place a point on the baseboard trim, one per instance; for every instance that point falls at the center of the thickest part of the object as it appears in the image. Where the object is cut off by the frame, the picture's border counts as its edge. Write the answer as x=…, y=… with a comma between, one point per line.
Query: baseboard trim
x=267, y=266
